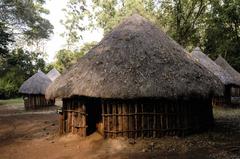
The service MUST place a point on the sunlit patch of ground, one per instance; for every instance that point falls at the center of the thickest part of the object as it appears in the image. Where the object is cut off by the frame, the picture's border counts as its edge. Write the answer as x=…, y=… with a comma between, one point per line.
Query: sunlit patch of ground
x=11, y=102
x=16, y=107
x=36, y=136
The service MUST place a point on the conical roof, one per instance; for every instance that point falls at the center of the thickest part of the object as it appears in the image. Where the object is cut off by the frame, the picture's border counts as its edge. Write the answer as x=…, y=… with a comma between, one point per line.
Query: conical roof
x=53, y=74
x=36, y=84
x=227, y=67
x=203, y=59
x=136, y=60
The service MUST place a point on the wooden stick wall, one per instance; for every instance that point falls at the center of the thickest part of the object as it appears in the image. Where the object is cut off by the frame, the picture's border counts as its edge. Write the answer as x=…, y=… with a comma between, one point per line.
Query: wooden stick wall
x=235, y=92
x=73, y=118
x=155, y=119
x=36, y=102
x=139, y=118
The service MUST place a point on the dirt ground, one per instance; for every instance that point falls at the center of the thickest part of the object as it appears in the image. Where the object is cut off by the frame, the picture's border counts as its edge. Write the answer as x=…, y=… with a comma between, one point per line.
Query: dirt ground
x=34, y=135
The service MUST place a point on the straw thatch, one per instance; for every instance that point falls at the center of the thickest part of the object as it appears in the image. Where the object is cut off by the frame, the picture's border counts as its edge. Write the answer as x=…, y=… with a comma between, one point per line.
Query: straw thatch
x=225, y=65
x=203, y=59
x=53, y=74
x=37, y=84
x=136, y=60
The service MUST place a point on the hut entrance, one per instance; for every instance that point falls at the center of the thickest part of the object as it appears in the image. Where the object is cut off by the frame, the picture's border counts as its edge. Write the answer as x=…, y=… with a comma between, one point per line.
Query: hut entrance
x=94, y=116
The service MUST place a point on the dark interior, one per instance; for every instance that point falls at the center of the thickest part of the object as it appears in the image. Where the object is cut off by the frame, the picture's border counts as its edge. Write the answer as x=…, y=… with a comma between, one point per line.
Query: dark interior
x=94, y=111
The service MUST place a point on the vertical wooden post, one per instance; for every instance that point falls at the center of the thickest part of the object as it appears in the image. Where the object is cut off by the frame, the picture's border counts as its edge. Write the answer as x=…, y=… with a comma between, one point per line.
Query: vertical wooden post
x=72, y=115
x=161, y=118
x=84, y=120
x=108, y=119
x=142, y=121
x=125, y=120
x=81, y=119
x=114, y=121
x=154, y=120
x=60, y=116
x=127, y=105
x=68, y=116
x=130, y=120
x=64, y=116
x=166, y=117
x=158, y=124
x=147, y=117
x=177, y=118
x=103, y=119
x=136, y=122
x=120, y=119
x=33, y=102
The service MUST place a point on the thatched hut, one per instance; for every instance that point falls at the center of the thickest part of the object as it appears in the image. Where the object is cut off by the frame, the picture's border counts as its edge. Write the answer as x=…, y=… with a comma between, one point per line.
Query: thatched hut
x=235, y=89
x=136, y=82
x=33, y=91
x=218, y=71
x=53, y=74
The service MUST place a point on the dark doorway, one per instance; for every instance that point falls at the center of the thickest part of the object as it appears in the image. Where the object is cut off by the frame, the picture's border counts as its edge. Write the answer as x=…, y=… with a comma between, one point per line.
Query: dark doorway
x=94, y=115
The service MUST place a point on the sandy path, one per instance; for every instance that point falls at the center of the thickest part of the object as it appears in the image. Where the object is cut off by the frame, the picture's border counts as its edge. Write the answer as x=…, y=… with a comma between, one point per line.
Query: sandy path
x=35, y=136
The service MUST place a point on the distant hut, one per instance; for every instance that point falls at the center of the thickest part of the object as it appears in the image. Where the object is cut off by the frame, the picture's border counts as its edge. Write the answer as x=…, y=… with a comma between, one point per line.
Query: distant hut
x=218, y=71
x=33, y=91
x=137, y=82
x=235, y=89
x=53, y=74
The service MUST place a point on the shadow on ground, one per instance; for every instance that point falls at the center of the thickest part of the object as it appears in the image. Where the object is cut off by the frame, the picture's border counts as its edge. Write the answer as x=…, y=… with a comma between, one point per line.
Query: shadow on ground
x=36, y=136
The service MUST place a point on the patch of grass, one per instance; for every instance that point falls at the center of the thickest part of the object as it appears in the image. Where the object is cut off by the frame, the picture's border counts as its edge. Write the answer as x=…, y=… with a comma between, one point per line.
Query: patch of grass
x=227, y=113
x=15, y=101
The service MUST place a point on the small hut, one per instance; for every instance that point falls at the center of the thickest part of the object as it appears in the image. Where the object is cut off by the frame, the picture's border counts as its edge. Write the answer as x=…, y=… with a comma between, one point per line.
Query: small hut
x=136, y=82
x=218, y=71
x=235, y=89
x=53, y=74
x=33, y=91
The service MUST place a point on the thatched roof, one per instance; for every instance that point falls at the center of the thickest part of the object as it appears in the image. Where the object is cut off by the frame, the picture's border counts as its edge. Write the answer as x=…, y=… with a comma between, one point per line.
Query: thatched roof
x=37, y=84
x=203, y=59
x=53, y=74
x=136, y=60
x=225, y=65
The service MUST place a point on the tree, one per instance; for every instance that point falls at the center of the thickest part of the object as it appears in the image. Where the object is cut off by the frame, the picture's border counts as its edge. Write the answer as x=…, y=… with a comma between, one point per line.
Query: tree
x=16, y=68
x=89, y=15
x=84, y=49
x=211, y=24
x=24, y=17
x=75, y=13
x=5, y=40
x=182, y=19
x=64, y=59
x=223, y=31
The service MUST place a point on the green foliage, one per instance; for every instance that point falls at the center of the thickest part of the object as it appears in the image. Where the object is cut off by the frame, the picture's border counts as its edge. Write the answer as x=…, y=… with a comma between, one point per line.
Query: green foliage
x=18, y=66
x=66, y=58
x=223, y=31
x=8, y=85
x=180, y=18
x=49, y=67
x=84, y=49
x=83, y=15
x=75, y=15
x=184, y=19
x=212, y=24
x=14, y=101
x=5, y=40
x=24, y=17
x=109, y=14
